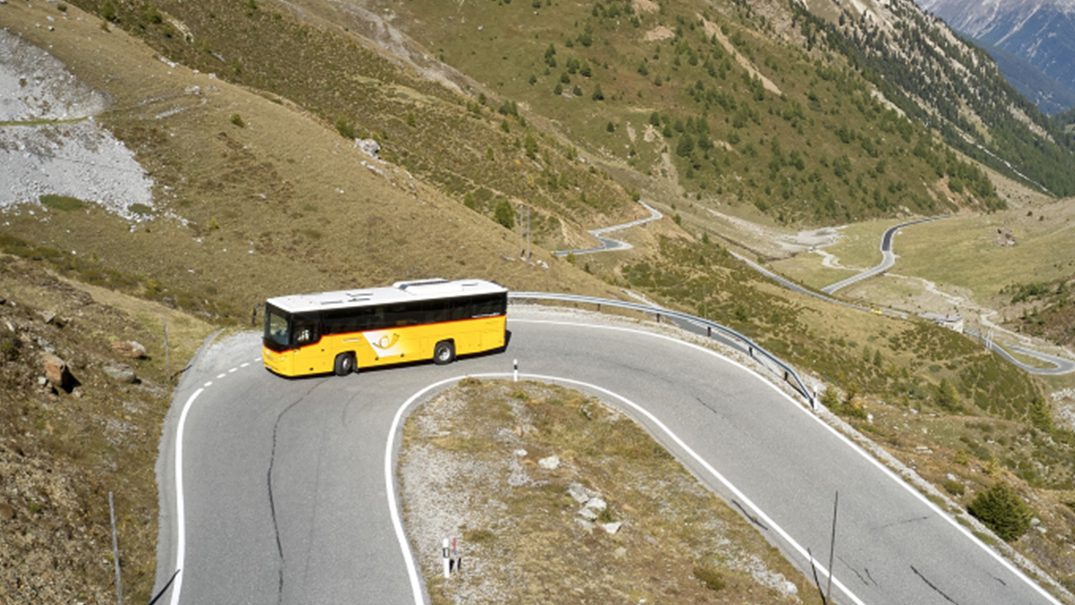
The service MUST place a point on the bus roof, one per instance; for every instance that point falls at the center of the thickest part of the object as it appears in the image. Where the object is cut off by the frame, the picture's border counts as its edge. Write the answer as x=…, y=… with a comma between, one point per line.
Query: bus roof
x=401, y=291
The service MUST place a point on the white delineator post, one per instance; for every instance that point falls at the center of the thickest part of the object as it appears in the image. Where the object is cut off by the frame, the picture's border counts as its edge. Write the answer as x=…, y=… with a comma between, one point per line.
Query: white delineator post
x=446, y=555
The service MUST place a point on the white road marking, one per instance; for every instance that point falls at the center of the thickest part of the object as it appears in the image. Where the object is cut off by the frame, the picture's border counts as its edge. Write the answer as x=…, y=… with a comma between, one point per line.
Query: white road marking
x=221, y=375
x=855, y=447
x=390, y=485
x=207, y=384
x=180, y=510
x=244, y=364
x=232, y=370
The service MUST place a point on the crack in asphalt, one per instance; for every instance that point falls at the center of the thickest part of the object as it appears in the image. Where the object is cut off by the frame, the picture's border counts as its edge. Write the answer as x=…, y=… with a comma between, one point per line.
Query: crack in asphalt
x=934, y=586
x=905, y=522
x=870, y=576
x=749, y=516
x=272, y=501
x=862, y=578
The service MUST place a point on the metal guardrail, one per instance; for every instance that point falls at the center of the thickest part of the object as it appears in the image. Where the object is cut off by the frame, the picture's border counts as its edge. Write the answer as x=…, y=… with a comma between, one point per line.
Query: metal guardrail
x=736, y=339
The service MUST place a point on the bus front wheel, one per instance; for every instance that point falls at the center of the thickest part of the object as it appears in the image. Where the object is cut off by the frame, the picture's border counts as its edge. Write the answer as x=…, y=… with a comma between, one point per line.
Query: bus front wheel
x=444, y=352
x=345, y=364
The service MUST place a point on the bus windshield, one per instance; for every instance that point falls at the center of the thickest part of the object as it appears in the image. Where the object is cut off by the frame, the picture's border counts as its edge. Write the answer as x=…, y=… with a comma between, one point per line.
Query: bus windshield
x=276, y=328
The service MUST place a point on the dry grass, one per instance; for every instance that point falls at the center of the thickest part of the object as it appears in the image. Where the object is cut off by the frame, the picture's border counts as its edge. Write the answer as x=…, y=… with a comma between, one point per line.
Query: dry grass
x=283, y=204
x=967, y=251
x=464, y=473
x=61, y=453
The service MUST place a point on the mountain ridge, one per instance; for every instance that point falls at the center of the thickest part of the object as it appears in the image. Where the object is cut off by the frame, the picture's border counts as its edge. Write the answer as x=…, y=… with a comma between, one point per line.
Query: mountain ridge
x=1041, y=33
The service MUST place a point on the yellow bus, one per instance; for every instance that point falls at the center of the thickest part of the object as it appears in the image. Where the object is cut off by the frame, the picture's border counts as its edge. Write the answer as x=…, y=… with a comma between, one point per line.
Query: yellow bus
x=344, y=331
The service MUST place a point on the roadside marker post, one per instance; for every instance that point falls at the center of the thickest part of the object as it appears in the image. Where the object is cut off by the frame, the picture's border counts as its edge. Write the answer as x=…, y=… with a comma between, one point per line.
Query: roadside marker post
x=449, y=553
x=515, y=370
x=445, y=555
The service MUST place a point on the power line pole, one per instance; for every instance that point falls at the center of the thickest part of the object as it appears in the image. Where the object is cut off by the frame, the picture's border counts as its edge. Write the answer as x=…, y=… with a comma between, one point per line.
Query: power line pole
x=115, y=550
x=832, y=548
x=528, y=251
x=167, y=353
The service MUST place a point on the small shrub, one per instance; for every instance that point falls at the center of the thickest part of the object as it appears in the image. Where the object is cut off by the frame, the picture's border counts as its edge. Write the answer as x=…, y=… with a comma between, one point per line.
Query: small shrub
x=237, y=120
x=65, y=203
x=478, y=536
x=9, y=347
x=710, y=577
x=142, y=209
x=504, y=214
x=953, y=487
x=346, y=128
x=1002, y=510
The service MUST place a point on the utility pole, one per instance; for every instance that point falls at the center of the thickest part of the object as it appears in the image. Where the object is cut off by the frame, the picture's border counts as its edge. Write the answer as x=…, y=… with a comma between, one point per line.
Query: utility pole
x=167, y=353
x=115, y=550
x=832, y=548
x=528, y=251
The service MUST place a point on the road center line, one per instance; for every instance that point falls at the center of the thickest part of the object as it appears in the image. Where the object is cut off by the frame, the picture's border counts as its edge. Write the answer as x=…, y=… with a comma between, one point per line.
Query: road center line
x=393, y=504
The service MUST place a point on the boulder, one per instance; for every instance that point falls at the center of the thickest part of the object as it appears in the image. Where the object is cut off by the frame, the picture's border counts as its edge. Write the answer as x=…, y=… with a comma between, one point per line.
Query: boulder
x=596, y=503
x=131, y=349
x=121, y=373
x=611, y=528
x=551, y=463
x=371, y=147
x=56, y=371
x=579, y=493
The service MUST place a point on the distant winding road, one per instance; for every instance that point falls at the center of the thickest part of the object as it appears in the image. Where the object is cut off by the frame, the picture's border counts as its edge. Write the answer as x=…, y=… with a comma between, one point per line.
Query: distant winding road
x=888, y=257
x=609, y=244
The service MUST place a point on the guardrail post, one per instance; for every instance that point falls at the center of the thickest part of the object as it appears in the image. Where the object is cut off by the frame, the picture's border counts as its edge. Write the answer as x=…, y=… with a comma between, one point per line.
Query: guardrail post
x=750, y=350
x=658, y=318
x=709, y=331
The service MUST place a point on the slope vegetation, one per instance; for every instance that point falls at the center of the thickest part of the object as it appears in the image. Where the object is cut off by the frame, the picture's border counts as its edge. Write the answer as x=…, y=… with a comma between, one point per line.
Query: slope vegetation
x=732, y=103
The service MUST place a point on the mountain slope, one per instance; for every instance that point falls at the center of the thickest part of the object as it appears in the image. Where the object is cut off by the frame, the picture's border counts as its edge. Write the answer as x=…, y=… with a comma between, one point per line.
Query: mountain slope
x=707, y=97
x=940, y=80
x=1040, y=33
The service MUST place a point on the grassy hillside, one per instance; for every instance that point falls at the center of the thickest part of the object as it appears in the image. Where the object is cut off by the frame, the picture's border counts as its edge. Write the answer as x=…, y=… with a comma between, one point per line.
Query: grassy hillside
x=734, y=107
x=475, y=148
x=254, y=196
x=63, y=447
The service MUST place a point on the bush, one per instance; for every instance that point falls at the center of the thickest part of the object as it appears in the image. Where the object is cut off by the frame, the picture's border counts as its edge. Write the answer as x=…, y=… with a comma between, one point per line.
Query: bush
x=237, y=120
x=504, y=214
x=9, y=347
x=710, y=577
x=346, y=129
x=1002, y=510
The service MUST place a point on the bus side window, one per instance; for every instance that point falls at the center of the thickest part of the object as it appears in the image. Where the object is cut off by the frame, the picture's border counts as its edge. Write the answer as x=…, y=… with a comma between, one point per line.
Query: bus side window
x=305, y=330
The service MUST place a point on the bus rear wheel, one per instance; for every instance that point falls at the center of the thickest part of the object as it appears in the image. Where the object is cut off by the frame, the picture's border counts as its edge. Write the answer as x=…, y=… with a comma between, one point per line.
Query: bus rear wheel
x=444, y=352
x=345, y=364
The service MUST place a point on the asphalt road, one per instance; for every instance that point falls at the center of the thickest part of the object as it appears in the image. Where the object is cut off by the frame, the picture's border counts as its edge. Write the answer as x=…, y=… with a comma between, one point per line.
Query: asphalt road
x=284, y=491
x=888, y=257
x=609, y=244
